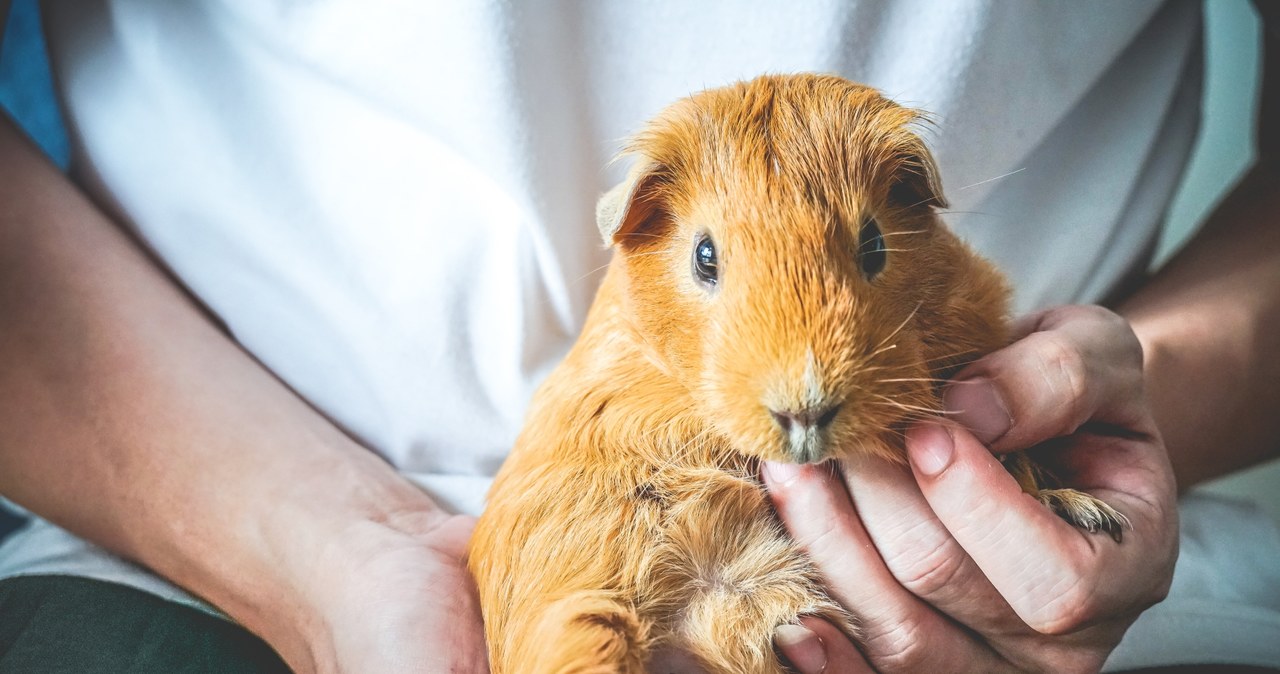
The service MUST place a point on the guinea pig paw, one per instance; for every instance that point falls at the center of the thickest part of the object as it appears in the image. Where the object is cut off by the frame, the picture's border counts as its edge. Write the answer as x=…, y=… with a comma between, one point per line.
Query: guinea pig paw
x=1086, y=512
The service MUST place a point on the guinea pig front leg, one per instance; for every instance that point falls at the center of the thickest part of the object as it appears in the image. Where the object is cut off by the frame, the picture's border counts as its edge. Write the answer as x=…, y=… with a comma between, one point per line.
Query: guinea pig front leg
x=735, y=574
x=586, y=632
x=1080, y=509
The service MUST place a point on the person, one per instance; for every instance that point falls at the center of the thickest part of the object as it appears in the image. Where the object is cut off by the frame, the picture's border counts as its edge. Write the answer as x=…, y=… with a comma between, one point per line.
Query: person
x=296, y=233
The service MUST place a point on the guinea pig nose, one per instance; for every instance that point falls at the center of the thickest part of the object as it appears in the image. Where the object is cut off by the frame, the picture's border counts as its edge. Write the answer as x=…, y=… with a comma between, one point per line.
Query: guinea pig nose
x=815, y=417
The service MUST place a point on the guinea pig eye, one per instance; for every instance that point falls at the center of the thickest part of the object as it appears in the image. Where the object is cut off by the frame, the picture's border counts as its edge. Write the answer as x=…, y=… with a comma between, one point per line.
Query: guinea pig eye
x=871, y=250
x=705, y=266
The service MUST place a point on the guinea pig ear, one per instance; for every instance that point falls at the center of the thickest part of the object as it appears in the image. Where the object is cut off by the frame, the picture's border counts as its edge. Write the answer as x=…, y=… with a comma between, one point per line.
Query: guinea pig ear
x=627, y=206
x=916, y=181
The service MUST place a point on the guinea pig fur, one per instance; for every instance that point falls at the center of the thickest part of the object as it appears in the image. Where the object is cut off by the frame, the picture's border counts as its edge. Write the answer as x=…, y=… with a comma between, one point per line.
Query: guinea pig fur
x=781, y=289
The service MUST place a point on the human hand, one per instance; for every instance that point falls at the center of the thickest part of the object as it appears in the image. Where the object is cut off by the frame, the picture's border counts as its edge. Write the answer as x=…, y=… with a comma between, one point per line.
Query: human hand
x=948, y=565
x=395, y=597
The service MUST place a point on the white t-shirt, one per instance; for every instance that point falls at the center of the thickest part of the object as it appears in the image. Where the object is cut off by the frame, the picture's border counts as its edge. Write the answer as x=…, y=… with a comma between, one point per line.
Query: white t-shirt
x=390, y=203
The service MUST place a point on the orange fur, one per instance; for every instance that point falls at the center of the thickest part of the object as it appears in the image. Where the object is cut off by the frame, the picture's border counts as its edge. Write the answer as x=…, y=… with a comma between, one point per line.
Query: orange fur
x=628, y=516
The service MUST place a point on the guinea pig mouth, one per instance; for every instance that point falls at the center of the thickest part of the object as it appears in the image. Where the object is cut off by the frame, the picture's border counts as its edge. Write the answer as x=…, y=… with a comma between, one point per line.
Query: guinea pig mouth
x=805, y=430
x=806, y=444
x=806, y=434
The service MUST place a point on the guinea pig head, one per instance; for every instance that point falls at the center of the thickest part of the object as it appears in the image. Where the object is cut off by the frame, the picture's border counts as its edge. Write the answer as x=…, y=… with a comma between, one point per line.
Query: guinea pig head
x=782, y=260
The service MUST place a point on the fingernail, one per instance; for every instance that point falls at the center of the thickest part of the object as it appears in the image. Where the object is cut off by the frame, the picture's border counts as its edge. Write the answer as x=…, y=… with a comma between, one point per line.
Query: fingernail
x=804, y=649
x=976, y=404
x=780, y=473
x=930, y=447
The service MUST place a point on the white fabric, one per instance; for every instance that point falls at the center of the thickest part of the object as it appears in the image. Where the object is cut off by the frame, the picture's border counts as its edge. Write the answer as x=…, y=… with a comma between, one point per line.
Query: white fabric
x=1224, y=605
x=390, y=203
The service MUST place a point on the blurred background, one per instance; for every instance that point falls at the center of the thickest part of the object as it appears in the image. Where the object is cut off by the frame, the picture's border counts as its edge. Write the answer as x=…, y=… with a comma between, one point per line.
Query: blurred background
x=1223, y=151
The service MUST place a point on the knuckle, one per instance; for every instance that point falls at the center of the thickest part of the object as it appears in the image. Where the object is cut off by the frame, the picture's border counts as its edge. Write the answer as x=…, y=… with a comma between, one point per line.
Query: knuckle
x=1131, y=352
x=1158, y=591
x=1157, y=595
x=1097, y=312
x=1067, y=610
x=1067, y=314
x=902, y=647
x=929, y=574
x=1066, y=373
x=1126, y=343
x=821, y=542
x=1122, y=341
x=1080, y=312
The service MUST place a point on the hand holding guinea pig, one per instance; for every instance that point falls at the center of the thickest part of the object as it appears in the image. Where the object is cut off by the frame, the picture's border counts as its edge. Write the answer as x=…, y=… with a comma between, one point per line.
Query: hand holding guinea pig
x=782, y=290
x=970, y=574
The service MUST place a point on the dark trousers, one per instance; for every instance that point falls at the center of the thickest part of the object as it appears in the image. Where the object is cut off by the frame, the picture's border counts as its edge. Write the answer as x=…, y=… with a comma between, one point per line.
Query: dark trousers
x=73, y=625
x=70, y=625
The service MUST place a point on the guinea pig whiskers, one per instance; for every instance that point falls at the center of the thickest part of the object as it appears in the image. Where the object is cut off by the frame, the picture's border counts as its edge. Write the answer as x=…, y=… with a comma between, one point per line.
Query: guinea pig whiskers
x=591, y=273
x=913, y=231
x=889, y=235
x=947, y=365
x=988, y=180
x=893, y=366
x=905, y=421
x=881, y=350
x=913, y=404
x=898, y=329
x=666, y=251
x=682, y=453
x=660, y=428
x=905, y=406
x=948, y=360
x=950, y=211
x=966, y=187
x=931, y=380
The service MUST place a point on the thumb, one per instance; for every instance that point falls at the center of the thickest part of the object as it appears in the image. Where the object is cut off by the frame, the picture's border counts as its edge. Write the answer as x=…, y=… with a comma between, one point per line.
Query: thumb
x=815, y=646
x=1079, y=364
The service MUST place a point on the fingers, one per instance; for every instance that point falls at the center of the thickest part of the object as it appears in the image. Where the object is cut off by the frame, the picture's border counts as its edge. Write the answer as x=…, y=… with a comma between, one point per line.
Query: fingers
x=1055, y=577
x=918, y=550
x=1074, y=365
x=899, y=631
x=815, y=646
x=1074, y=377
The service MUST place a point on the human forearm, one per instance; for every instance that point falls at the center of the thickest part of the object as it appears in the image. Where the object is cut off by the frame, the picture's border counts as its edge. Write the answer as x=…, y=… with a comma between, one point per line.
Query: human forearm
x=127, y=417
x=1210, y=326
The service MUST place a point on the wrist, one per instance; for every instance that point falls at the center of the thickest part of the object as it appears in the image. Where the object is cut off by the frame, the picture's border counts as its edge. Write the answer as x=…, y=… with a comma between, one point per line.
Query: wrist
x=1194, y=355
x=312, y=534
x=353, y=588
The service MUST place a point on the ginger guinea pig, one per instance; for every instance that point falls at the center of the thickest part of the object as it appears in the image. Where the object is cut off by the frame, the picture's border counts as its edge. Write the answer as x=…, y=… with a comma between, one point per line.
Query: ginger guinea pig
x=781, y=289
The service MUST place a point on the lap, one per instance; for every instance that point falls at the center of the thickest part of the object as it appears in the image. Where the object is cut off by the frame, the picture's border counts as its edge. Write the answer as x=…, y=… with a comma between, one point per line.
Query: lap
x=84, y=626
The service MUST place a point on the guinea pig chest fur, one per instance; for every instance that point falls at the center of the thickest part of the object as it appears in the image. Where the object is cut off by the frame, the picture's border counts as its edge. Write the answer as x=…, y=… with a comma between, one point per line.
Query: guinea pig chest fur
x=781, y=289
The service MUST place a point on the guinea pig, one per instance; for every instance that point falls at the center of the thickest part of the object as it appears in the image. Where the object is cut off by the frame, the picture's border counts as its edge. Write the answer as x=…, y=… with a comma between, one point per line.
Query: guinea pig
x=781, y=288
